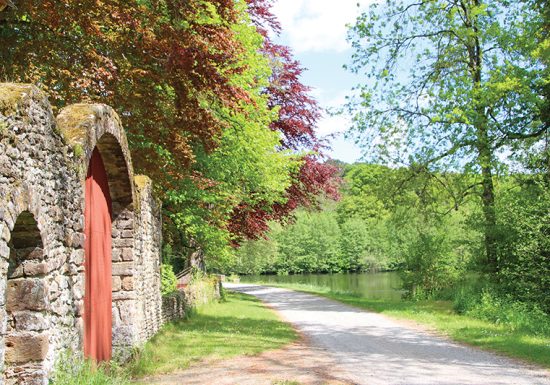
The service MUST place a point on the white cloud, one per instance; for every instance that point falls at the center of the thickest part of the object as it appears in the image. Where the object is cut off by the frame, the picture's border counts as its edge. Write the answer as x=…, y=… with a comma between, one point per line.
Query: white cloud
x=317, y=25
x=329, y=125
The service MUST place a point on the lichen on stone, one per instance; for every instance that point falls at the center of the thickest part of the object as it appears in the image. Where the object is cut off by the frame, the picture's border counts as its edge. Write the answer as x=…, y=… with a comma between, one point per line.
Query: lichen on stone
x=3, y=128
x=142, y=181
x=73, y=123
x=12, y=94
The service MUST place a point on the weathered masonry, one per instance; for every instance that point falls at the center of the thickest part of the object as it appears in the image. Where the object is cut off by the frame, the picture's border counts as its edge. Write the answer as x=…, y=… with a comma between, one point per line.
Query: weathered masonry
x=79, y=237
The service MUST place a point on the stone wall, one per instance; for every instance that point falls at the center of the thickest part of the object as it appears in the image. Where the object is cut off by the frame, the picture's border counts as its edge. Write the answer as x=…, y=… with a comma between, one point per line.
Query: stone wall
x=174, y=306
x=43, y=165
x=146, y=280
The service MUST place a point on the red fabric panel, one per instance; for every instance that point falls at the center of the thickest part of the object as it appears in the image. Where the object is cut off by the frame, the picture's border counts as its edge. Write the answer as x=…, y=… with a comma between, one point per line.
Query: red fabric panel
x=98, y=295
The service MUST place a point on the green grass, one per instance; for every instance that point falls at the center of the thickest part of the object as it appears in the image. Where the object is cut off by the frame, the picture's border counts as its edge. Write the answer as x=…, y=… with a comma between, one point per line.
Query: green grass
x=439, y=315
x=240, y=325
x=73, y=370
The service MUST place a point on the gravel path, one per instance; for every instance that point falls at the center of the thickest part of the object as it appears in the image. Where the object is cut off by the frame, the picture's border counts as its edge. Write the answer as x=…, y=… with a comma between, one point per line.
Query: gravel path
x=374, y=349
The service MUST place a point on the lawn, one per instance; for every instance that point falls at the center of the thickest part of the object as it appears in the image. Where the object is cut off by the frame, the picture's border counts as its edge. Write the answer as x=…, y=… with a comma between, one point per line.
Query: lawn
x=440, y=316
x=239, y=325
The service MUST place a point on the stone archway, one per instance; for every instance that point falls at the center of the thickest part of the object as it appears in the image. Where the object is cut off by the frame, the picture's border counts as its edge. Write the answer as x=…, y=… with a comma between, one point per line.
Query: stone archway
x=90, y=128
x=43, y=165
x=26, y=307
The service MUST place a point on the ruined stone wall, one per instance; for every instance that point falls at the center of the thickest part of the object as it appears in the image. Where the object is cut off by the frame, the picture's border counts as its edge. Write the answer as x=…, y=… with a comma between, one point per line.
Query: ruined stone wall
x=43, y=165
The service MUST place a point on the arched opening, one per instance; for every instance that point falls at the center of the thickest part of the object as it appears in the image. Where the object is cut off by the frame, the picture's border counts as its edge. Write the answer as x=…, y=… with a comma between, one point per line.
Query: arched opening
x=98, y=270
x=109, y=230
x=26, y=305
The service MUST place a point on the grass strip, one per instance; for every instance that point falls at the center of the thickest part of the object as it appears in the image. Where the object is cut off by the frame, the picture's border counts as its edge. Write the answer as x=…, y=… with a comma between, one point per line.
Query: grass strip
x=241, y=325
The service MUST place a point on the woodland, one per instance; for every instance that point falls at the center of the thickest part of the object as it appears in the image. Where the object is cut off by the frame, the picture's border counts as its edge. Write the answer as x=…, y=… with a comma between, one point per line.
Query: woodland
x=453, y=117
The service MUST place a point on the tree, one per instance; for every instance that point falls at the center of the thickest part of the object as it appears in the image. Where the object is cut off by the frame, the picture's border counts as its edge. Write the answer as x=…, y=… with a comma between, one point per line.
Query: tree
x=188, y=79
x=452, y=84
x=296, y=121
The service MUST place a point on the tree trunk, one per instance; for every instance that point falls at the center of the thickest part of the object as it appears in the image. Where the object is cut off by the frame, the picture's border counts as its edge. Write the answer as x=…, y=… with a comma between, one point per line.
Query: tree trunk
x=488, y=201
x=484, y=146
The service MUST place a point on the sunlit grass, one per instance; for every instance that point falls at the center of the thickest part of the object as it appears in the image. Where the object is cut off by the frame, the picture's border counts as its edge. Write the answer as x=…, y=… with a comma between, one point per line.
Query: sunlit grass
x=440, y=316
x=240, y=325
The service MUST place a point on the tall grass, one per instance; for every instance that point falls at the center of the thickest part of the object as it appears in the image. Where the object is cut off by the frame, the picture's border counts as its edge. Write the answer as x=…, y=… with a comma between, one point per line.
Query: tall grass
x=74, y=370
x=489, y=306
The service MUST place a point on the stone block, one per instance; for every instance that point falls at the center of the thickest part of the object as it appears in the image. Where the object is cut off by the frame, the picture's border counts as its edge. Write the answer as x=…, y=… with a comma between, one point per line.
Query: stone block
x=30, y=321
x=22, y=348
x=4, y=250
x=35, y=268
x=25, y=294
x=123, y=268
x=123, y=243
x=128, y=283
x=117, y=283
x=116, y=255
x=127, y=254
x=124, y=295
x=126, y=224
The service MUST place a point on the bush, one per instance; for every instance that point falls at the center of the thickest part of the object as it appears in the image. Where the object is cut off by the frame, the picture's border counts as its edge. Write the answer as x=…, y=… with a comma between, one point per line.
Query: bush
x=168, y=280
x=516, y=315
x=233, y=278
x=430, y=266
x=501, y=309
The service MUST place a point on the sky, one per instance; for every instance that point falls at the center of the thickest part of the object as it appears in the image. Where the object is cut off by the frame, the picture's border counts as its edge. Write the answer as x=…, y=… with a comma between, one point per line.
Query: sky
x=316, y=32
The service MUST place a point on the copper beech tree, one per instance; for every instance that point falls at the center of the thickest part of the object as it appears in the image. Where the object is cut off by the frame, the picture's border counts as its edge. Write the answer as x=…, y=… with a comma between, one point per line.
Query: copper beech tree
x=193, y=81
x=297, y=119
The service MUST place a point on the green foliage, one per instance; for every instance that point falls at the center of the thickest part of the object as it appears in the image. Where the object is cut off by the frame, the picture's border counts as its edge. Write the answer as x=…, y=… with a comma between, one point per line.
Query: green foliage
x=379, y=224
x=168, y=280
x=524, y=248
x=256, y=256
x=71, y=369
x=452, y=85
x=311, y=244
x=202, y=288
x=501, y=309
x=247, y=166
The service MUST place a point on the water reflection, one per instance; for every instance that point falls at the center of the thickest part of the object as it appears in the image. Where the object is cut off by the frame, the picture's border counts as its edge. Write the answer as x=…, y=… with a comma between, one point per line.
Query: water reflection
x=385, y=285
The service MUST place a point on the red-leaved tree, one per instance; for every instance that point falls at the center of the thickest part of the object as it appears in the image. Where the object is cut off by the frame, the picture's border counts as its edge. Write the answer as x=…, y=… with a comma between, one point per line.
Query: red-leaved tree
x=298, y=116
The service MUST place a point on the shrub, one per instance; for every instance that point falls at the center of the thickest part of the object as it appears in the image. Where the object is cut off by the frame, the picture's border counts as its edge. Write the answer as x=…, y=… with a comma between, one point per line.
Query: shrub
x=429, y=265
x=514, y=314
x=488, y=305
x=202, y=288
x=234, y=278
x=169, y=282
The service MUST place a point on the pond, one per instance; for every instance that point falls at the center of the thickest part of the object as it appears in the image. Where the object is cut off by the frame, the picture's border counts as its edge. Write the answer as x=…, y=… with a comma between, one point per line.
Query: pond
x=385, y=285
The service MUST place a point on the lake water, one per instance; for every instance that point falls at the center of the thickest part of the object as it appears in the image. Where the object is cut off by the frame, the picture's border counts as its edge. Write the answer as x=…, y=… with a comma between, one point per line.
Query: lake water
x=385, y=285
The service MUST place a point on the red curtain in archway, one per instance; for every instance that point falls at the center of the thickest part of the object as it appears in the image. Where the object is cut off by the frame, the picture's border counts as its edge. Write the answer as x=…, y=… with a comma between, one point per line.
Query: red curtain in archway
x=98, y=295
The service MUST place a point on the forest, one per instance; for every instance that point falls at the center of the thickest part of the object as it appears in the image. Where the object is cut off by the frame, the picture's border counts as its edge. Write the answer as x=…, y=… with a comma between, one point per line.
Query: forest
x=411, y=222
x=453, y=119
x=452, y=114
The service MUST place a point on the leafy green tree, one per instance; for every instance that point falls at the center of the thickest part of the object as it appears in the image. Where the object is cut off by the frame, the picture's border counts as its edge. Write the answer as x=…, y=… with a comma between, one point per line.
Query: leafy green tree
x=524, y=219
x=256, y=256
x=311, y=244
x=453, y=84
x=364, y=192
